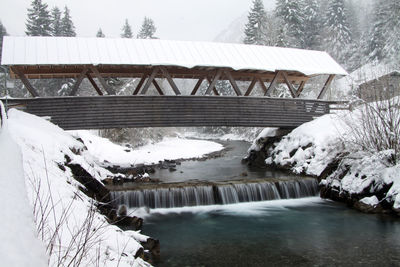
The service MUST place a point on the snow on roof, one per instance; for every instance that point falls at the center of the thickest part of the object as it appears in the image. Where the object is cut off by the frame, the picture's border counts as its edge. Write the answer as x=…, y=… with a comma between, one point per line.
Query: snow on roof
x=113, y=51
x=366, y=73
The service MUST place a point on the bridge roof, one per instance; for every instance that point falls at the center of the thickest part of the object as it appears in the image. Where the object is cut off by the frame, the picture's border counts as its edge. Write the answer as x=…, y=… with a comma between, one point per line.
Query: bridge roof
x=73, y=51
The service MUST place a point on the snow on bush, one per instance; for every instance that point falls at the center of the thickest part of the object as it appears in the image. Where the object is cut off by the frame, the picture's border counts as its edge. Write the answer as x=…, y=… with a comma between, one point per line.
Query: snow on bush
x=68, y=223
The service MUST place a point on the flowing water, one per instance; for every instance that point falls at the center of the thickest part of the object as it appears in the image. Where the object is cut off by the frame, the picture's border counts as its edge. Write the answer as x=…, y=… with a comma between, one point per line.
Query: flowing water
x=250, y=221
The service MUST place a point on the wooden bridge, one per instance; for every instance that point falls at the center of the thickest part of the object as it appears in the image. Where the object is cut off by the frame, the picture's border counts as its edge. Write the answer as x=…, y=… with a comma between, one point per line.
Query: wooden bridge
x=148, y=61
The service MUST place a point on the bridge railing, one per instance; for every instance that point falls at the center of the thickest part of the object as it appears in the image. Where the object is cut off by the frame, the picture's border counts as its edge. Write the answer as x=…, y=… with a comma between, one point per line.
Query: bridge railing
x=102, y=112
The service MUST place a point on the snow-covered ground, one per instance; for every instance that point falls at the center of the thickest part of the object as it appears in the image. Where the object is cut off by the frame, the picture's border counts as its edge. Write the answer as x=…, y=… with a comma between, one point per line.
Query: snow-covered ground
x=170, y=148
x=71, y=221
x=311, y=147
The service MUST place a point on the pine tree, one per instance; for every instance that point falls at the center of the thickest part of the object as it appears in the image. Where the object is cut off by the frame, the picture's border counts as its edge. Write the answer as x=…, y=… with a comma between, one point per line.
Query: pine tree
x=312, y=25
x=39, y=20
x=55, y=22
x=392, y=32
x=255, y=27
x=100, y=34
x=292, y=18
x=126, y=30
x=147, y=30
x=67, y=26
x=338, y=36
x=376, y=37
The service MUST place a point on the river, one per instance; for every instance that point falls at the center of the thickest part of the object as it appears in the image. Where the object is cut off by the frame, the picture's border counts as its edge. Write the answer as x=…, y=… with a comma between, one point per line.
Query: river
x=284, y=232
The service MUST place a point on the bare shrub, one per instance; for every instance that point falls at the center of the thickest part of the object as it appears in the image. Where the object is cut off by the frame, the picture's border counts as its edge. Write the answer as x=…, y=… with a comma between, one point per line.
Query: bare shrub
x=375, y=124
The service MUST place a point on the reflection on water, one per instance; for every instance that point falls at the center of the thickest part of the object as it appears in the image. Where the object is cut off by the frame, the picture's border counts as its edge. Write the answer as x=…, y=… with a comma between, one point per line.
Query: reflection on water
x=302, y=232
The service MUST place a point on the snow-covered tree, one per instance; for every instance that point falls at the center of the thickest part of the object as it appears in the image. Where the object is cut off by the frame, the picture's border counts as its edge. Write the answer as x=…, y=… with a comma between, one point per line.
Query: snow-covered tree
x=55, y=22
x=67, y=26
x=126, y=30
x=147, y=30
x=392, y=32
x=3, y=32
x=312, y=24
x=38, y=22
x=100, y=33
x=338, y=37
x=255, y=27
x=291, y=14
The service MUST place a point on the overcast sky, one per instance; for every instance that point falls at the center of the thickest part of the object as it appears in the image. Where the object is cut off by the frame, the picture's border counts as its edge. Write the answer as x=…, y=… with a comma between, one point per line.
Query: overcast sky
x=198, y=20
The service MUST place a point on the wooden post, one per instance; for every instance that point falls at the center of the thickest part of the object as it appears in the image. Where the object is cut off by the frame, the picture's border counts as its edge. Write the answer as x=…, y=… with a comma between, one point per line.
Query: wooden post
x=79, y=81
x=94, y=84
x=261, y=82
x=251, y=86
x=301, y=88
x=293, y=91
x=214, y=89
x=25, y=81
x=158, y=88
x=170, y=80
x=101, y=80
x=140, y=84
x=273, y=83
x=214, y=81
x=233, y=83
x=150, y=80
x=197, y=86
x=326, y=86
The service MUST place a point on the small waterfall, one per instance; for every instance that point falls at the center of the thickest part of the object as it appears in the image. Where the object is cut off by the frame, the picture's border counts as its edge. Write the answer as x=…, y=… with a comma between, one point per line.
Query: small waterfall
x=215, y=194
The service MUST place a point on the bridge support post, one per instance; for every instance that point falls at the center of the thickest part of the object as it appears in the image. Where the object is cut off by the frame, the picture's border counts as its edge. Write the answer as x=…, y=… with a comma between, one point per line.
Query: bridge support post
x=326, y=86
x=25, y=81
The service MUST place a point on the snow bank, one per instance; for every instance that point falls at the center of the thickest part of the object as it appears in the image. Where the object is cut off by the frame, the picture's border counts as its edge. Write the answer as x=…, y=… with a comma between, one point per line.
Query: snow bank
x=170, y=148
x=310, y=147
x=45, y=149
x=19, y=245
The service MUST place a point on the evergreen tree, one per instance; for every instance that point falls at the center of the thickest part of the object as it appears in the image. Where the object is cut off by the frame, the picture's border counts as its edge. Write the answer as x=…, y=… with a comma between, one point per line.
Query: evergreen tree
x=67, y=26
x=312, y=25
x=147, y=30
x=55, y=22
x=291, y=14
x=3, y=32
x=38, y=22
x=126, y=30
x=338, y=36
x=100, y=33
x=255, y=27
x=392, y=32
x=376, y=37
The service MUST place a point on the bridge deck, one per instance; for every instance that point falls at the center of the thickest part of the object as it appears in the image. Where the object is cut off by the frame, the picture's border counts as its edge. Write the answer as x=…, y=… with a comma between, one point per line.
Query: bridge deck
x=100, y=112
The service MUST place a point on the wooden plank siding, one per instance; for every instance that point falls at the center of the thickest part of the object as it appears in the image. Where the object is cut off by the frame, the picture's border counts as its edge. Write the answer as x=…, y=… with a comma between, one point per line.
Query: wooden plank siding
x=100, y=112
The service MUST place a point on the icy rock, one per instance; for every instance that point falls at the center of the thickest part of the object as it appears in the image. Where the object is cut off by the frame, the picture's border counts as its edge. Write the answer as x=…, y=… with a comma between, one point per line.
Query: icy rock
x=369, y=205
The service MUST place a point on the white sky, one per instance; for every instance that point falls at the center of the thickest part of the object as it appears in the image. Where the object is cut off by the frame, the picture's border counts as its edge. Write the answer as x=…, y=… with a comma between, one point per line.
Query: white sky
x=198, y=20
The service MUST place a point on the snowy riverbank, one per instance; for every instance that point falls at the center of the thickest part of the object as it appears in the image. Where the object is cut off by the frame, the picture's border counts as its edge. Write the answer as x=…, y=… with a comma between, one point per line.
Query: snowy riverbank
x=50, y=160
x=366, y=180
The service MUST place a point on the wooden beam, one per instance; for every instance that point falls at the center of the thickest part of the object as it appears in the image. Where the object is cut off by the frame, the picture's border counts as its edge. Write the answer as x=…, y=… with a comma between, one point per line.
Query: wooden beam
x=101, y=80
x=233, y=83
x=197, y=86
x=170, y=80
x=79, y=81
x=25, y=81
x=150, y=80
x=94, y=84
x=214, y=89
x=214, y=81
x=140, y=84
x=261, y=82
x=326, y=86
x=251, y=86
x=293, y=91
x=301, y=88
x=158, y=88
x=273, y=83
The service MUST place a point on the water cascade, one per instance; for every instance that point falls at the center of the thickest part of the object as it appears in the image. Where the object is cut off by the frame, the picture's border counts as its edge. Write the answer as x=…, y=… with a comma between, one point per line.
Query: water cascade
x=221, y=193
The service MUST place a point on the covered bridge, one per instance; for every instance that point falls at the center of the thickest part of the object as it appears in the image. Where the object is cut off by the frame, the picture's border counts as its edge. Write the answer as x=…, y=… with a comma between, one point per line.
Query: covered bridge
x=149, y=60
